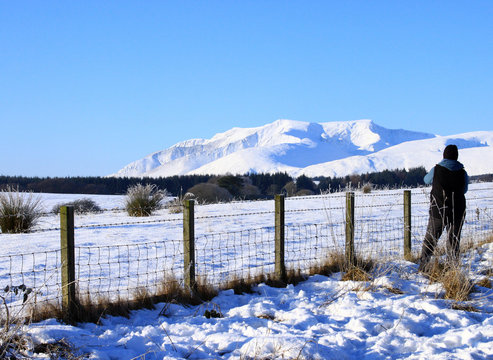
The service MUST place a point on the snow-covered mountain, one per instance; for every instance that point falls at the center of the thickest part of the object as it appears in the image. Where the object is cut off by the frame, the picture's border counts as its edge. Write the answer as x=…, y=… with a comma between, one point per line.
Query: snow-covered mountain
x=329, y=149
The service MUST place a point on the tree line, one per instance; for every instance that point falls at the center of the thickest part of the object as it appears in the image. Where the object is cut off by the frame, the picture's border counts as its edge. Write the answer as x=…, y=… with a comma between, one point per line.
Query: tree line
x=246, y=186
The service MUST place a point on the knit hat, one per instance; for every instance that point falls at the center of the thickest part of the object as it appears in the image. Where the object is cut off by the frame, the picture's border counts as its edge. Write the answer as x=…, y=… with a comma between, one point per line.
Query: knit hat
x=451, y=152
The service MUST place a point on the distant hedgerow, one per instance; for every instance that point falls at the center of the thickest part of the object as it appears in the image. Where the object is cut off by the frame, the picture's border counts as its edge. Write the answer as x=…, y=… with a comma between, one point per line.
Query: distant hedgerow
x=19, y=212
x=143, y=200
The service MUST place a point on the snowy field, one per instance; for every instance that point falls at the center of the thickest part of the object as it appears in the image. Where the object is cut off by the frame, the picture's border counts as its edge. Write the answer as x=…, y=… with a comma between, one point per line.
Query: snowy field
x=322, y=318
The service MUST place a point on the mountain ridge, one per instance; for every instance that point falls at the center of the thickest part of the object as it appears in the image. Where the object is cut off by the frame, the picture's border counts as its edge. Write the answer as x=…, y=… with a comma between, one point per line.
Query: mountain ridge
x=330, y=148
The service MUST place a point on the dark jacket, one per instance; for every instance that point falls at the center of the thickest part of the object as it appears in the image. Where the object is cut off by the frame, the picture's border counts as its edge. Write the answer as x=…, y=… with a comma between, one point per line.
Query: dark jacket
x=449, y=184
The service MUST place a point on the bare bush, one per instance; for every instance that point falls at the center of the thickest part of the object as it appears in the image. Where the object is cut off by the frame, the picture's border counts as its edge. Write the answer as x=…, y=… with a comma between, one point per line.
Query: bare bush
x=210, y=193
x=81, y=206
x=304, y=192
x=143, y=200
x=250, y=191
x=367, y=188
x=176, y=206
x=19, y=212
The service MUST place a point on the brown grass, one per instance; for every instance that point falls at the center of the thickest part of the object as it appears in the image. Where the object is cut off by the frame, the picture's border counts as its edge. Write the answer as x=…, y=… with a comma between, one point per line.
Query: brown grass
x=394, y=290
x=243, y=285
x=484, y=282
x=334, y=262
x=45, y=310
x=471, y=244
x=205, y=291
x=455, y=282
x=60, y=349
x=355, y=273
x=464, y=307
x=359, y=270
x=93, y=309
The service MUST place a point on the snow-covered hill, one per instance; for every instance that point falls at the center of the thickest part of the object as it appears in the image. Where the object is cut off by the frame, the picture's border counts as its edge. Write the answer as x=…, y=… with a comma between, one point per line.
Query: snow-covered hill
x=329, y=149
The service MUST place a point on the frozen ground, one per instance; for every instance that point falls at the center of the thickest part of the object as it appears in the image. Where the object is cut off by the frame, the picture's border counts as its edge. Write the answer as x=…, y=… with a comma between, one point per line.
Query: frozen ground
x=398, y=314
x=321, y=318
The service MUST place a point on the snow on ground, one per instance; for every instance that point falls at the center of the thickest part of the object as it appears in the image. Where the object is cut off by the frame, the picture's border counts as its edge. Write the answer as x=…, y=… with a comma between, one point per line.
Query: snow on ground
x=397, y=315
x=321, y=318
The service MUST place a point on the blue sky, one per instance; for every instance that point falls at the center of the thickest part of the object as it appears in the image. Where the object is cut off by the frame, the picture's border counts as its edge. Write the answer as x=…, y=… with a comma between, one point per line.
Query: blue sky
x=87, y=87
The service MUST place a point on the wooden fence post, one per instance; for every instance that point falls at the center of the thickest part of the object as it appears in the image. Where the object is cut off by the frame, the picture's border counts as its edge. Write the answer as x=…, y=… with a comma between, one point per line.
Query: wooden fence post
x=189, y=245
x=280, y=267
x=407, y=225
x=350, y=228
x=67, y=249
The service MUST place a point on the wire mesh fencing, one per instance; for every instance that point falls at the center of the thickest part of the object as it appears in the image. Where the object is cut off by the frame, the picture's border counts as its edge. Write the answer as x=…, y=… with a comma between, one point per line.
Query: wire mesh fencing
x=307, y=246
x=230, y=256
x=116, y=259
x=120, y=271
x=27, y=279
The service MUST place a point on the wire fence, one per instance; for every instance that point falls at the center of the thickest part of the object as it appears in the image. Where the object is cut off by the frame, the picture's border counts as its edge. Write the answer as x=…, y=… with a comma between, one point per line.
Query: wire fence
x=148, y=254
x=121, y=271
x=38, y=271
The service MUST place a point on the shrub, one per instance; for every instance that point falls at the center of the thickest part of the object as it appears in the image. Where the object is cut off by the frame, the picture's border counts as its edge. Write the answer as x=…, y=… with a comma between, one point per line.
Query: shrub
x=143, y=200
x=367, y=188
x=250, y=192
x=455, y=282
x=81, y=206
x=19, y=212
x=210, y=193
x=303, y=182
x=484, y=282
x=304, y=192
x=289, y=188
x=176, y=205
x=234, y=184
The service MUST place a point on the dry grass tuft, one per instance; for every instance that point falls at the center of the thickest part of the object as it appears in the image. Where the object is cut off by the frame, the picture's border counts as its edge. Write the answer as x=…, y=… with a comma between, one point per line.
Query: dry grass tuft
x=471, y=244
x=484, y=282
x=367, y=188
x=143, y=200
x=176, y=205
x=12, y=344
x=333, y=263
x=464, y=307
x=60, y=349
x=266, y=316
x=243, y=286
x=19, y=212
x=358, y=270
x=488, y=272
x=455, y=282
x=394, y=290
x=204, y=291
x=44, y=310
x=435, y=270
x=93, y=310
x=81, y=206
x=355, y=273
x=295, y=276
